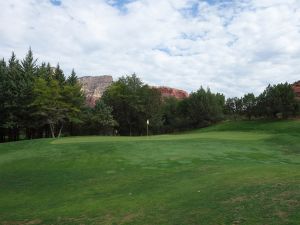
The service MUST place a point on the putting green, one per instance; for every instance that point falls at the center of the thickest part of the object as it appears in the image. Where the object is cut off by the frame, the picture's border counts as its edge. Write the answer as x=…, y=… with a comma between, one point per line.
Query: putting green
x=232, y=173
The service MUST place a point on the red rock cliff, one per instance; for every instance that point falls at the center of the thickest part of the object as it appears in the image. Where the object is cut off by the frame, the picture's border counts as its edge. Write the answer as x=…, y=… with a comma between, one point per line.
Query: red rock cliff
x=93, y=87
x=296, y=88
x=172, y=92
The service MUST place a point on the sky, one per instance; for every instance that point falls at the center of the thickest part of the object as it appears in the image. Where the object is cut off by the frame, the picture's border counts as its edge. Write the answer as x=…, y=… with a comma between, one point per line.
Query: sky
x=231, y=46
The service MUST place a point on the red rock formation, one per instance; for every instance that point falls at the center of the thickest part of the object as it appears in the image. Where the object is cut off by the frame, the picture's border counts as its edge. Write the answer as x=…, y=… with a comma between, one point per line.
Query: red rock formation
x=296, y=88
x=93, y=87
x=172, y=92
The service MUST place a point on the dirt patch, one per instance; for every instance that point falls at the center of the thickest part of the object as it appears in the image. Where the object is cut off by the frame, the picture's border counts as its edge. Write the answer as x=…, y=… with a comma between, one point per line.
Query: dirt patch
x=293, y=202
x=237, y=222
x=287, y=194
x=27, y=222
x=128, y=218
x=237, y=199
x=281, y=214
x=34, y=222
x=288, y=197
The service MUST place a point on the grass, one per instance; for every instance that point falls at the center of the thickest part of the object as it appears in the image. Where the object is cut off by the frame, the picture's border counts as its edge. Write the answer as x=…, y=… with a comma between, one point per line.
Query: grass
x=232, y=173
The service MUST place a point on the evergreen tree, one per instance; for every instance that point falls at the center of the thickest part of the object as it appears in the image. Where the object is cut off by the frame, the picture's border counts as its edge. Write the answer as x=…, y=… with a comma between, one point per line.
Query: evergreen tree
x=278, y=101
x=3, y=98
x=234, y=107
x=13, y=92
x=249, y=104
x=72, y=79
x=26, y=86
x=59, y=75
x=29, y=67
x=203, y=108
x=171, y=118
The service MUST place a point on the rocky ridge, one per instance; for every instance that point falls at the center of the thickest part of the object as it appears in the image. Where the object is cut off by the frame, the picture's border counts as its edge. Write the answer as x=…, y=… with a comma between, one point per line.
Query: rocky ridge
x=167, y=92
x=93, y=87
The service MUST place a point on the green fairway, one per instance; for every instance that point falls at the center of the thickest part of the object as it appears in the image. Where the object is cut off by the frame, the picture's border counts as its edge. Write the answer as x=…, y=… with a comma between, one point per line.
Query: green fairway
x=231, y=173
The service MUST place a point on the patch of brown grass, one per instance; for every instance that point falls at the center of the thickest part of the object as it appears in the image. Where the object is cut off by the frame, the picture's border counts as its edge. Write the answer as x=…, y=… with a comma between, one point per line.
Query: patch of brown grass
x=237, y=199
x=26, y=222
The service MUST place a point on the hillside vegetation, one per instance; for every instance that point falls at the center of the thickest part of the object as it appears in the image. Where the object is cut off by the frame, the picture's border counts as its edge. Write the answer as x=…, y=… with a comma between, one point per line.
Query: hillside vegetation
x=231, y=173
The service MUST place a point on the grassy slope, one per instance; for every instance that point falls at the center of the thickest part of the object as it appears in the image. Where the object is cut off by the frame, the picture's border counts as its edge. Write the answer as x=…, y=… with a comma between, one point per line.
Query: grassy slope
x=233, y=173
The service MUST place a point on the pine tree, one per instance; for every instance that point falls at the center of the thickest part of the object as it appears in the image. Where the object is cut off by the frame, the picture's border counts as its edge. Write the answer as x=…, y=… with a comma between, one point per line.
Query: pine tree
x=72, y=79
x=59, y=75
x=13, y=95
x=249, y=104
x=3, y=98
x=29, y=66
x=30, y=72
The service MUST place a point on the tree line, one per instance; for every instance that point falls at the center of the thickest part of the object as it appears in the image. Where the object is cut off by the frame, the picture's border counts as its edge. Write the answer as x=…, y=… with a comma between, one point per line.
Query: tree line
x=39, y=101
x=276, y=101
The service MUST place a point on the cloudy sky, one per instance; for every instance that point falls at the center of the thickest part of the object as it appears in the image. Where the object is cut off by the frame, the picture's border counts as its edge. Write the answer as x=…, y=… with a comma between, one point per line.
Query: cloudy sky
x=231, y=46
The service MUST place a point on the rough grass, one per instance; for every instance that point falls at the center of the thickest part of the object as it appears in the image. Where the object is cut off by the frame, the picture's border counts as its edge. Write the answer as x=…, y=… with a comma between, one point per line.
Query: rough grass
x=232, y=173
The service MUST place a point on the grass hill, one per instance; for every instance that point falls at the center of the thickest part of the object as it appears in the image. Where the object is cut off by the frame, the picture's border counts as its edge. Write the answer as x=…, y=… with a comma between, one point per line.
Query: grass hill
x=231, y=173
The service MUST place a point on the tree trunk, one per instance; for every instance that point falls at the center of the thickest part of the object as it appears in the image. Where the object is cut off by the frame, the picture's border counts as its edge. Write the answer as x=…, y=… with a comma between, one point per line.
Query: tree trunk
x=10, y=134
x=71, y=129
x=52, y=130
x=47, y=132
x=59, y=133
x=16, y=133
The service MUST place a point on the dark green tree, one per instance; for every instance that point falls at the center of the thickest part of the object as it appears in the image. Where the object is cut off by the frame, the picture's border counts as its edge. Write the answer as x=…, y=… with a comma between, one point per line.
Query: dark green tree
x=278, y=101
x=133, y=103
x=3, y=99
x=25, y=99
x=72, y=79
x=249, y=104
x=102, y=119
x=172, y=120
x=14, y=93
x=59, y=75
x=73, y=98
x=234, y=107
x=203, y=108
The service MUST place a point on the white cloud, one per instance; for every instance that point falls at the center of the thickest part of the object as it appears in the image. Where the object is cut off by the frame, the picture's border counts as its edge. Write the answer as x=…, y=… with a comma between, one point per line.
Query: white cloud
x=233, y=48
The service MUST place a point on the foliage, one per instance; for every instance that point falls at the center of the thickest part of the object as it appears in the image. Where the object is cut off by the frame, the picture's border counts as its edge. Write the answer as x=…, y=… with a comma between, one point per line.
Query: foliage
x=249, y=103
x=35, y=101
x=133, y=103
x=72, y=79
x=203, y=108
x=234, y=106
x=59, y=75
x=278, y=101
